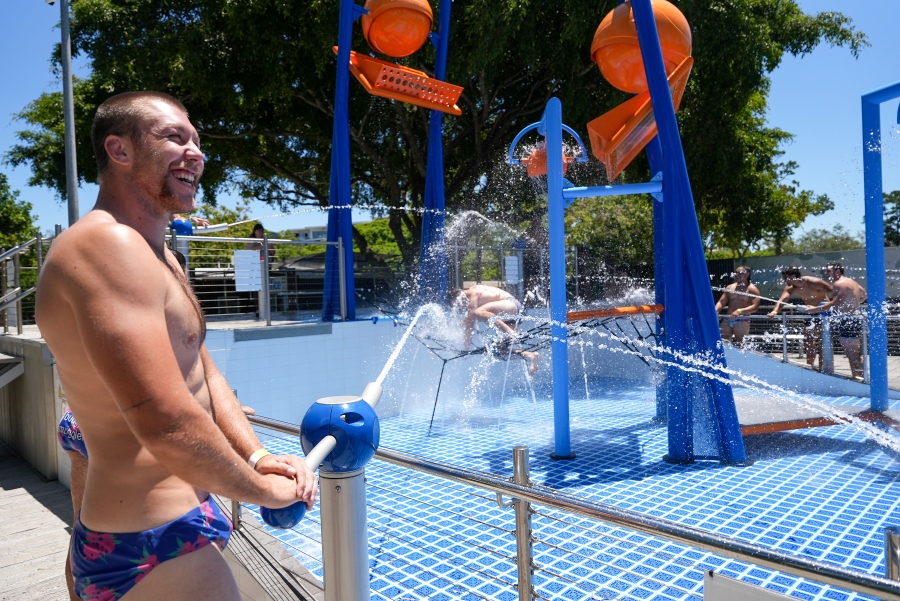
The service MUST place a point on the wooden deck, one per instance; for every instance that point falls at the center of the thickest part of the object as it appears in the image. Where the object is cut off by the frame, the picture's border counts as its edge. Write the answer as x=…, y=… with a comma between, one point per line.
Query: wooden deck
x=35, y=525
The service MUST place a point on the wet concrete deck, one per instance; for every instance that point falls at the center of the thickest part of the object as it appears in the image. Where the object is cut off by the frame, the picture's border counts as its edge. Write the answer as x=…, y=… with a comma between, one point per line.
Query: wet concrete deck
x=35, y=526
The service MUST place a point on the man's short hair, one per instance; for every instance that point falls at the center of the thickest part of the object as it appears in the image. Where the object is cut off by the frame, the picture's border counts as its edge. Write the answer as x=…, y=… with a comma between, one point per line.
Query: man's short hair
x=836, y=266
x=790, y=272
x=122, y=115
x=452, y=295
x=745, y=268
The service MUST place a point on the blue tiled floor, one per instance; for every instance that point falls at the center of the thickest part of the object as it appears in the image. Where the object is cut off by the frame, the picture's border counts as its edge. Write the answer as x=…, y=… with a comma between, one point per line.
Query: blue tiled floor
x=825, y=493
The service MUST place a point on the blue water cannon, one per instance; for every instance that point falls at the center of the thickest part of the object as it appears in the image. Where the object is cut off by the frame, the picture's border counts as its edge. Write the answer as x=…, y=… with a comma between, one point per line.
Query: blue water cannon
x=340, y=434
x=182, y=227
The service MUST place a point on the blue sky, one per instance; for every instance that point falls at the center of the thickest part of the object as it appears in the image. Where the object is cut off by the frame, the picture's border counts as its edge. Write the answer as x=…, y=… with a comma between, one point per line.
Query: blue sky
x=817, y=98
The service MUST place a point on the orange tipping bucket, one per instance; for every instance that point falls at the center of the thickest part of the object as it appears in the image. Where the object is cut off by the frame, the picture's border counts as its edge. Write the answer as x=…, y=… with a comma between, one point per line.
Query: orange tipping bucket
x=381, y=78
x=620, y=134
x=397, y=27
x=536, y=162
x=613, y=312
x=616, y=51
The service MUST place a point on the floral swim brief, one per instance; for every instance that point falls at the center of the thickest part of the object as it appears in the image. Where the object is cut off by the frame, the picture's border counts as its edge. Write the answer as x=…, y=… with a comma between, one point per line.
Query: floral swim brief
x=106, y=566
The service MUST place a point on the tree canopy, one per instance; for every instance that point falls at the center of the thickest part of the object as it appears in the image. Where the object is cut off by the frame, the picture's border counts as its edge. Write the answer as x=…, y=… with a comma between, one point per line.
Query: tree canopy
x=892, y=218
x=258, y=80
x=16, y=221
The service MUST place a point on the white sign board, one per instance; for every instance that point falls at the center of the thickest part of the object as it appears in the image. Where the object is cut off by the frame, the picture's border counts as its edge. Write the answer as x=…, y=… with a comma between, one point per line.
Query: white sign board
x=247, y=274
x=511, y=267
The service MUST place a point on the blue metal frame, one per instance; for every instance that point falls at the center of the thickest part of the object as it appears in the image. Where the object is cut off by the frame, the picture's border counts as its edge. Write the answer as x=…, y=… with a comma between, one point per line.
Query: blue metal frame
x=340, y=220
x=689, y=321
x=433, y=254
x=875, y=268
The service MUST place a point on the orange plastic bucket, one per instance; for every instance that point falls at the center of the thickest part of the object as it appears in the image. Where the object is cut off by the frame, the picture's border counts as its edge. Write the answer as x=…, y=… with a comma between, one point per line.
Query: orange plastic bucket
x=397, y=27
x=616, y=51
x=536, y=162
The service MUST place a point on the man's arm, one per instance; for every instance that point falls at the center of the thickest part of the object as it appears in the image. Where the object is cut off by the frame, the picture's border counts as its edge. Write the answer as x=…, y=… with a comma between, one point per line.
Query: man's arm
x=723, y=300
x=121, y=322
x=840, y=293
x=785, y=295
x=234, y=425
x=754, y=305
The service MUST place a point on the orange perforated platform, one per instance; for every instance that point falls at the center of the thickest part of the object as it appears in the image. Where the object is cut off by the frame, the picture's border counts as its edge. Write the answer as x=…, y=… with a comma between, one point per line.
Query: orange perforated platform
x=614, y=312
x=619, y=135
x=381, y=78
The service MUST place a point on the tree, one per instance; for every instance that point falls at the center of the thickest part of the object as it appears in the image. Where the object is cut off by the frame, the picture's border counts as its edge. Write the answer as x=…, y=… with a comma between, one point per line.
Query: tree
x=892, y=218
x=258, y=78
x=825, y=239
x=619, y=229
x=16, y=221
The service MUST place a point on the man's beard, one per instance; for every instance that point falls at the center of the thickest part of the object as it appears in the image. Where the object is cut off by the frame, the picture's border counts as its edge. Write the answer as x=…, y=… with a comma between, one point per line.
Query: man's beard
x=155, y=185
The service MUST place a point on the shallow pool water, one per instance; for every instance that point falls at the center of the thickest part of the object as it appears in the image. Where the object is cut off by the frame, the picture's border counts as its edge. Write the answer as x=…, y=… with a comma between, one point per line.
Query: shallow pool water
x=824, y=493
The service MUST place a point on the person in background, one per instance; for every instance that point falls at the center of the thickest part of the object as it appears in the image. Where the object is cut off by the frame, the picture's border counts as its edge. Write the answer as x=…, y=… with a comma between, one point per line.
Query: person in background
x=738, y=301
x=258, y=232
x=812, y=291
x=846, y=317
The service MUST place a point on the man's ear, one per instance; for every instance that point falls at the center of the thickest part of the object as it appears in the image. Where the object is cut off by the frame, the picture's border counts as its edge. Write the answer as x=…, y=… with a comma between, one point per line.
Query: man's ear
x=120, y=150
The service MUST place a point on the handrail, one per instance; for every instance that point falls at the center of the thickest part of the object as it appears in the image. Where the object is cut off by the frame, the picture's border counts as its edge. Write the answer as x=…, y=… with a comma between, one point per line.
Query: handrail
x=19, y=248
x=253, y=240
x=10, y=293
x=17, y=298
x=708, y=541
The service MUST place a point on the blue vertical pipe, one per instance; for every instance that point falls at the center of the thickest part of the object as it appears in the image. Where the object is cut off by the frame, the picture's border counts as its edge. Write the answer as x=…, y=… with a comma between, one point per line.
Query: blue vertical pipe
x=551, y=129
x=685, y=255
x=433, y=254
x=875, y=267
x=340, y=221
x=654, y=154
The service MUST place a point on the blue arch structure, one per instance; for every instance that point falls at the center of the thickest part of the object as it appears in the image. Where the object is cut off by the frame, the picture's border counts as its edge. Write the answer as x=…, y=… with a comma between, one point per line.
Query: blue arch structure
x=875, y=270
x=700, y=410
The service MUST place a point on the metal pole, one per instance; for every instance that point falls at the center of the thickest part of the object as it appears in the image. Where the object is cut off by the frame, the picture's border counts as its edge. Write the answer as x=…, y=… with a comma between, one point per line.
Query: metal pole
x=17, y=274
x=524, y=551
x=265, y=279
x=69, y=114
x=827, y=347
x=345, y=544
x=892, y=553
x=342, y=287
x=865, y=350
x=4, y=270
x=236, y=514
x=57, y=230
x=784, y=331
x=39, y=248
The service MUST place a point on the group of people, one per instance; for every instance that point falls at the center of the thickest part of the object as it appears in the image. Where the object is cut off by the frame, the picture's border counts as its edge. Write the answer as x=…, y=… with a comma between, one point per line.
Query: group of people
x=837, y=298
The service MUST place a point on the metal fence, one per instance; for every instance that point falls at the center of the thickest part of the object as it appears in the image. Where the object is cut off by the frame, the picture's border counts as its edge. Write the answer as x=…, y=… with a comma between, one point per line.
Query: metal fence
x=515, y=533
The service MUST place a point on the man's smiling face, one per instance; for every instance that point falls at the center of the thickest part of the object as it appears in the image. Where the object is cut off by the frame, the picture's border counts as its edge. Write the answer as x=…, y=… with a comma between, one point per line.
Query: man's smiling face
x=168, y=162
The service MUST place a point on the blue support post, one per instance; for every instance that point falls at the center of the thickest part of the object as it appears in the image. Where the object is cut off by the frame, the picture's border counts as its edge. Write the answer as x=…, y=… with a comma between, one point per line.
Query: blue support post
x=551, y=129
x=340, y=220
x=875, y=267
x=684, y=249
x=433, y=254
x=654, y=154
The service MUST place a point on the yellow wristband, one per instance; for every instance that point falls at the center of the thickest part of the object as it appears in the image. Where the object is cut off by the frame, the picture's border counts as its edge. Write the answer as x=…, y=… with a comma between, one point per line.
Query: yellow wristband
x=739, y=311
x=256, y=456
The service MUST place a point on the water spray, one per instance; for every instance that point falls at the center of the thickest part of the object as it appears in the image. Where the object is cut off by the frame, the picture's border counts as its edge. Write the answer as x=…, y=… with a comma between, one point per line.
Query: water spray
x=788, y=305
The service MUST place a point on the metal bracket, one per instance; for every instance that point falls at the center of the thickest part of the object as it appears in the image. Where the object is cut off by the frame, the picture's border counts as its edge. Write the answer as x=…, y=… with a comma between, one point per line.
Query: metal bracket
x=359, y=11
x=657, y=178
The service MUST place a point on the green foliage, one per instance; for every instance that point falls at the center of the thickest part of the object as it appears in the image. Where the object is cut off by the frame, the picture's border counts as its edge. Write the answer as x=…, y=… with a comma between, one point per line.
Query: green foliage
x=619, y=229
x=258, y=79
x=379, y=238
x=892, y=218
x=16, y=221
x=824, y=239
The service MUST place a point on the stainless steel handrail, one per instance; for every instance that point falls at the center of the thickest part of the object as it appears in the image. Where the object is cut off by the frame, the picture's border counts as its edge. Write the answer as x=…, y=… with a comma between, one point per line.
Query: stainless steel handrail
x=253, y=240
x=20, y=248
x=17, y=298
x=708, y=541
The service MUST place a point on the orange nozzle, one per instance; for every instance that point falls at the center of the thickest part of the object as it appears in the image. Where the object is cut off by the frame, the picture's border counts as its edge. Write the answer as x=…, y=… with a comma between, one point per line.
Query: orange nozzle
x=616, y=51
x=397, y=27
x=536, y=162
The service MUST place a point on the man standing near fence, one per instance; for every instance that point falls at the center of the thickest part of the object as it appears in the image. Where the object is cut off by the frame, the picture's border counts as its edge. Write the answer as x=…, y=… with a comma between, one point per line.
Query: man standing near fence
x=812, y=291
x=160, y=423
x=739, y=300
x=846, y=320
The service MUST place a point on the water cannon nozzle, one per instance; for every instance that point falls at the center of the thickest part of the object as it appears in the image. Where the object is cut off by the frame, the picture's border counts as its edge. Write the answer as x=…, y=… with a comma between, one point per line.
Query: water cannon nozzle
x=372, y=393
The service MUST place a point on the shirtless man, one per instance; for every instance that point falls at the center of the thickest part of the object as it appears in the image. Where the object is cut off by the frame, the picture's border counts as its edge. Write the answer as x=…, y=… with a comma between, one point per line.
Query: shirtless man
x=812, y=291
x=847, y=320
x=485, y=303
x=735, y=323
x=159, y=421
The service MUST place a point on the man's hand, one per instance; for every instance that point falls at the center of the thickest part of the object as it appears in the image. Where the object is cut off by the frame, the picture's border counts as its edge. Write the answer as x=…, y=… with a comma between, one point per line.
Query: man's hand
x=280, y=492
x=737, y=313
x=292, y=467
x=199, y=221
x=771, y=313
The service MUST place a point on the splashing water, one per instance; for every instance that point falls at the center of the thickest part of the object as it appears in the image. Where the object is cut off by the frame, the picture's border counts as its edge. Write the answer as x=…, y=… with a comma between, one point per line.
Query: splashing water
x=431, y=307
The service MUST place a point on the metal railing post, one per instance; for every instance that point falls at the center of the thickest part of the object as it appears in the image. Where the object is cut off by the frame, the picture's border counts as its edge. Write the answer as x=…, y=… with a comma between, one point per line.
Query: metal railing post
x=345, y=543
x=236, y=514
x=57, y=230
x=265, y=280
x=784, y=334
x=17, y=274
x=865, y=349
x=342, y=276
x=827, y=347
x=524, y=537
x=39, y=248
x=892, y=552
x=4, y=315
